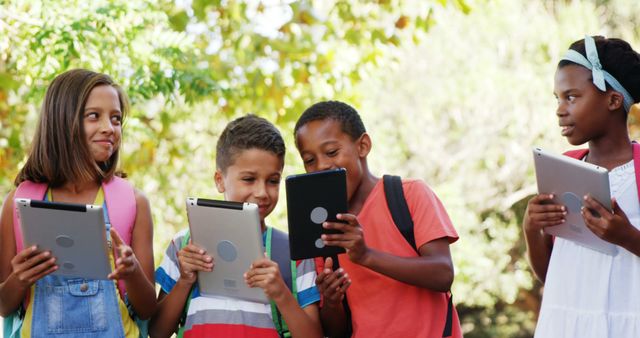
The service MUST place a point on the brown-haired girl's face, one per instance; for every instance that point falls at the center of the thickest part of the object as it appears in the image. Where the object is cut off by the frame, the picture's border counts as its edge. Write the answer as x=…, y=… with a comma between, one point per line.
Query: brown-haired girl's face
x=102, y=120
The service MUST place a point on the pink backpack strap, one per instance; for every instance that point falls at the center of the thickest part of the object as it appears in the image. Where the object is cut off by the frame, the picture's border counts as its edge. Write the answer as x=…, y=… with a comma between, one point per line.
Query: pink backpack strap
x=577, y=154
x=121, y=207
x=30, y=190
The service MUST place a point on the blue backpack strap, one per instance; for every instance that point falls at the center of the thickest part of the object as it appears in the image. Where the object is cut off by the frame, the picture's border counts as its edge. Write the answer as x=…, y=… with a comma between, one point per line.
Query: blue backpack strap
x=288, y=270
x=397, y=204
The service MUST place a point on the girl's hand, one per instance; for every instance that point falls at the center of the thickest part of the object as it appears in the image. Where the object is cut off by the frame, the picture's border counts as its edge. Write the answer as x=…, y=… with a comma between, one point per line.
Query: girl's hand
x=541, y=213
x=126, y=261
x=193, y=259
x=265, y=274
x=614, y=227
x=29, y=265
x=351, y=238
x=332, y=284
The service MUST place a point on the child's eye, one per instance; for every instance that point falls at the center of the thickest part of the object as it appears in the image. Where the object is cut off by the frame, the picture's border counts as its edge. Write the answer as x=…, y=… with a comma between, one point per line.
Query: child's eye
x=248, y=179
x=274, y=181
x=332, y=153
x=308, y=161
x=571, y=98
x=91, y=115
x=116, y=119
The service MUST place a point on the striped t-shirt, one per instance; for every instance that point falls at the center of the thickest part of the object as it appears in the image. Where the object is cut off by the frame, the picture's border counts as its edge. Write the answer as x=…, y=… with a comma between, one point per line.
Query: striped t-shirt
x=228, y=317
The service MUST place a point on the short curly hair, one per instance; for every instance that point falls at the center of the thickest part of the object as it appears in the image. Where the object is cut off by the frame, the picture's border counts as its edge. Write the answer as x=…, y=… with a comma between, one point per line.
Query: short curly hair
x=347, y=116
x=244, y=133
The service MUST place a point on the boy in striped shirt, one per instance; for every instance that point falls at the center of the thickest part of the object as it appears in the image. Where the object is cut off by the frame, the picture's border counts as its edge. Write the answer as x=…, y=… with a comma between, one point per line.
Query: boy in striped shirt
x=249, y=162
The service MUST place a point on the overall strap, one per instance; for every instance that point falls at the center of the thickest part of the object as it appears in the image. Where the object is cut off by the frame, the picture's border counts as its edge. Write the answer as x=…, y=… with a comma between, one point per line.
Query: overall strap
x=30, y=190
x=288, y=270
x=397, y=204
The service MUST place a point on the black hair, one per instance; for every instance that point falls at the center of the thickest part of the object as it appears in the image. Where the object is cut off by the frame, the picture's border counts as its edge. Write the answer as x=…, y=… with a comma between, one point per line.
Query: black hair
x=244, y=133
x=616, y=57
x=347, y=116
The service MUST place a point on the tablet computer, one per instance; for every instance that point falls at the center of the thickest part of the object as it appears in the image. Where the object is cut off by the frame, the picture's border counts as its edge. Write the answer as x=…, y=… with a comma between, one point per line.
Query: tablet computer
x=230, y=233
x=74, y=233
x=569, y=180
x=312, y=199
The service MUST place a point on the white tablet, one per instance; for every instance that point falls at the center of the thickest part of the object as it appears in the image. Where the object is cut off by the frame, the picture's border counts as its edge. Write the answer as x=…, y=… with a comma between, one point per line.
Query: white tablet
x=230, y=233
x=569, y=180
x=74, y=233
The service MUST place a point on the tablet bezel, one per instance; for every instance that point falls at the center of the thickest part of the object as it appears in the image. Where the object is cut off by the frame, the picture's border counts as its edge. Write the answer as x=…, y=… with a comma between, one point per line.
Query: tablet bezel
x=215, y=223
x=305, y=192
x=569, y=180
x=50, y=225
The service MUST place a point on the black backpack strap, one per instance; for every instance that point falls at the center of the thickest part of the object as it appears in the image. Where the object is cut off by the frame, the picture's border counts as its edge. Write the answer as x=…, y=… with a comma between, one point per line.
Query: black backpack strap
x=397, y=204
x=398, y=207
x=281, y=255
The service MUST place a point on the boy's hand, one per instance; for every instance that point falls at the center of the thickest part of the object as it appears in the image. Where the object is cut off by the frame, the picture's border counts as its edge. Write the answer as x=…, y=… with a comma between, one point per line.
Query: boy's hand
x=332, y=284
x=126, y=261
x=541, y=213
x=29, y=265
x=351, y=238
x=193, y=259
x=265, y=274
x=614, y=227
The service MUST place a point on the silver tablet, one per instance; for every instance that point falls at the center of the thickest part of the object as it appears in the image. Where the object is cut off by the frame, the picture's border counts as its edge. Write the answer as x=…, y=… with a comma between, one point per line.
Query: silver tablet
x=569, y=180
x=230, y=233
x=74, y=233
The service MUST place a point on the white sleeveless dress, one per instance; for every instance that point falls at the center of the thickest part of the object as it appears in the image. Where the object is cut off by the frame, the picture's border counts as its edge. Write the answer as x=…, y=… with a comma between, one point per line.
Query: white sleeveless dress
x=590, y=294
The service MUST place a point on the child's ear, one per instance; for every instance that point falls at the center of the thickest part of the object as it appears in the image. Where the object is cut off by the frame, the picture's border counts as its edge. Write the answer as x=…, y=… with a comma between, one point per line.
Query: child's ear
x=616, y=100
x=219, y=181
x=364, y=145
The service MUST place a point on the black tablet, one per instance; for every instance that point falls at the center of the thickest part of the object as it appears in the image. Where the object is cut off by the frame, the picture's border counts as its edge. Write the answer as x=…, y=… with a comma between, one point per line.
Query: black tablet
x=312, y=199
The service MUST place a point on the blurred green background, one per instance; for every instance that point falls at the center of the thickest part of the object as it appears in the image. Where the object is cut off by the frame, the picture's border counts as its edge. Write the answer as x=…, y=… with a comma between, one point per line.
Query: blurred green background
x=452, y=92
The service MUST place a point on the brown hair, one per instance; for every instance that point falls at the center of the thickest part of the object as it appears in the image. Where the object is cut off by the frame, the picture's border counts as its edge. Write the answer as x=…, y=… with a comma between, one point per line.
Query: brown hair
x=248, y=132
x=59, y=152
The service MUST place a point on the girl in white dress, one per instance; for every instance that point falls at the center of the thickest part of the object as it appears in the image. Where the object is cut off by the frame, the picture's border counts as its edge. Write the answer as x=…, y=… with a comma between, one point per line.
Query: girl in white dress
x=588, y=293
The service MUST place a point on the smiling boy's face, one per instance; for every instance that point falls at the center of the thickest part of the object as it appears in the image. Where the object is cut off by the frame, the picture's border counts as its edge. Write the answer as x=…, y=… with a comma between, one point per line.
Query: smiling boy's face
x=323, y=145
x=254, y=177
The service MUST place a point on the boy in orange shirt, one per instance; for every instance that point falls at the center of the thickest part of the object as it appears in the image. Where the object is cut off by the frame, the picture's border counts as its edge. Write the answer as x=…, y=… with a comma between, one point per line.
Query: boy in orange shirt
x=392, y=290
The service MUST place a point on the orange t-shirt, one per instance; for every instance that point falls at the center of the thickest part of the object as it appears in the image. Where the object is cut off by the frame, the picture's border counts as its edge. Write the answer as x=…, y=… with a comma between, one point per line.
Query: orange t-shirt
x=382, y=306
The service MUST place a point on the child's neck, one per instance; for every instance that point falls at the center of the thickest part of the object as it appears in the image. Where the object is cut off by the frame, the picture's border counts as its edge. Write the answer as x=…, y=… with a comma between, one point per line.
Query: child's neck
x=76, y=192
x=610, y=152
x=361, y=194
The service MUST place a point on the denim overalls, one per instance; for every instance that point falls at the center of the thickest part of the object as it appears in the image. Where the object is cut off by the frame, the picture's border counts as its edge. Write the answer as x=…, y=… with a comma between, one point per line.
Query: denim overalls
x=76, y=307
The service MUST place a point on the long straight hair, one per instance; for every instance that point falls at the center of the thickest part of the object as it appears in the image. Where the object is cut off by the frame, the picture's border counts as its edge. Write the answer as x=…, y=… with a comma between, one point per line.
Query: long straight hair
x=59, y=152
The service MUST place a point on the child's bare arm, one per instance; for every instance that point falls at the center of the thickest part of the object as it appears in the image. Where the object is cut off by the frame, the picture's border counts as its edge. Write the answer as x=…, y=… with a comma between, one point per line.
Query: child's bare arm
x=433, y=269
x=333, y=286
x=171, y=306
x=539, y=214
x=265, y=273
x=18, y=272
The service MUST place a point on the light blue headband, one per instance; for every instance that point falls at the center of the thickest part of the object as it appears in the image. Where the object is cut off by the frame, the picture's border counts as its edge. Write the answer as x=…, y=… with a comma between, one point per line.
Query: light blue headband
x=600, y=76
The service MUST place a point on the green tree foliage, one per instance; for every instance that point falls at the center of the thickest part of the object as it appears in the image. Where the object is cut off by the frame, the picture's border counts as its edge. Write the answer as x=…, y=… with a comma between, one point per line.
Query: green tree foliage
x=191, y=66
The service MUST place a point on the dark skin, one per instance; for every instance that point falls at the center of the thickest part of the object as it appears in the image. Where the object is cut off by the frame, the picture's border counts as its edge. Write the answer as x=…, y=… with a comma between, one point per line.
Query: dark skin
x=323, y=145
x=585, y=114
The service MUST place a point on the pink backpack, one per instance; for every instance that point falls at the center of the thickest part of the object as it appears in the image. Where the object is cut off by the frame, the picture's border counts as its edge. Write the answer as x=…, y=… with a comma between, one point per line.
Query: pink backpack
x=581, y=153
x=121, y=207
